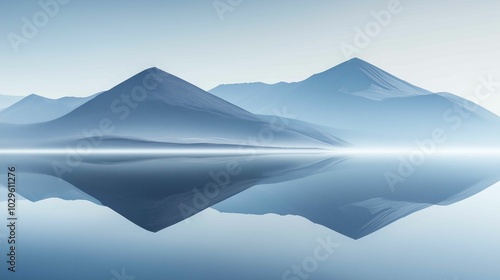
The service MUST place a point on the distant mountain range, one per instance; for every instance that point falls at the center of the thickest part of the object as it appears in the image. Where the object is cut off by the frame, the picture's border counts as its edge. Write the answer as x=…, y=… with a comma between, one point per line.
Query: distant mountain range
x=354, y=101
x=155, y=106
x=35, y=108
x=354, y=104
x=369, y=106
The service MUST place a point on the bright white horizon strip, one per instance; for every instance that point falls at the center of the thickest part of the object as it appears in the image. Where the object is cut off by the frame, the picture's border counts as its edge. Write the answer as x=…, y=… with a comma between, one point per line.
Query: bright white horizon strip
x=253, y=151
x=166, y=151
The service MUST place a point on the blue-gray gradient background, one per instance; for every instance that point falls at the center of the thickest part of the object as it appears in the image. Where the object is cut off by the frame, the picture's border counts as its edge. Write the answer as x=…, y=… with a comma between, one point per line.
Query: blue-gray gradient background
x=89, y=46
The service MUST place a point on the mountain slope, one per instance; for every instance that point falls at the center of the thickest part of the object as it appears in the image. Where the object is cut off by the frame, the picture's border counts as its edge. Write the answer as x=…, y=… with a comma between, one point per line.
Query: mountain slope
x=374, y=105
x=8, y=100
x=156, y=106
x=356, y=75
x=353, y=77
x=35, y=108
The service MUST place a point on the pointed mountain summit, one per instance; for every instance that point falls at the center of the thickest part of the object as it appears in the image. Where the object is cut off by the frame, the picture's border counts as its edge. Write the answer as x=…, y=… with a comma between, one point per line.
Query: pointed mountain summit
x=157, y=88
x=156, y=106
x=367, y=106
x=356, y=75
x=353, y=77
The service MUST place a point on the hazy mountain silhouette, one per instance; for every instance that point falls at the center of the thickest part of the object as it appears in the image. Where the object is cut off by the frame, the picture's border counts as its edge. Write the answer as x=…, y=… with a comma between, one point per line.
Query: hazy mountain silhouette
x=156, y=106
x=8, y=100
x=354, y=101
x=35, y=109
x=374, y=106
x=353, y=197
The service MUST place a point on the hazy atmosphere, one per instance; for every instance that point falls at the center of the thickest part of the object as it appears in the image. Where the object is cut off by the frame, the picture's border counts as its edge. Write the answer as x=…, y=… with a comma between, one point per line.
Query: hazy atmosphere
x=238, y=139
x=78, y=48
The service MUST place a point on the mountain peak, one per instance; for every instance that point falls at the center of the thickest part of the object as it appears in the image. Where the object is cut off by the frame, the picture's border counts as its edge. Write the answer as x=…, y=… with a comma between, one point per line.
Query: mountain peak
x=153, y=75
x=356, y=60
x=151, y=71
x=359, y=63
x=357, y=75
x=355, y=66
x=162, y=77
x=155, y=88
x=155, y=70
x=34, y=97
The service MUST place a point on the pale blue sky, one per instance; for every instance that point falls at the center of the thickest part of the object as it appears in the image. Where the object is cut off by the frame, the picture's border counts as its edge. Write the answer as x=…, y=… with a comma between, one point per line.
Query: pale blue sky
x=91, y=45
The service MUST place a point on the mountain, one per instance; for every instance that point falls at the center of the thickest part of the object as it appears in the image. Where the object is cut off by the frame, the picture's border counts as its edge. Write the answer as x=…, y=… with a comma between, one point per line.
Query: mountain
x=150, y=112
x=371, y=106
x=154, y=111
x=35, y=108
x=8, y=100
x=156, y=106
x=353, y=77
x=352, y=196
